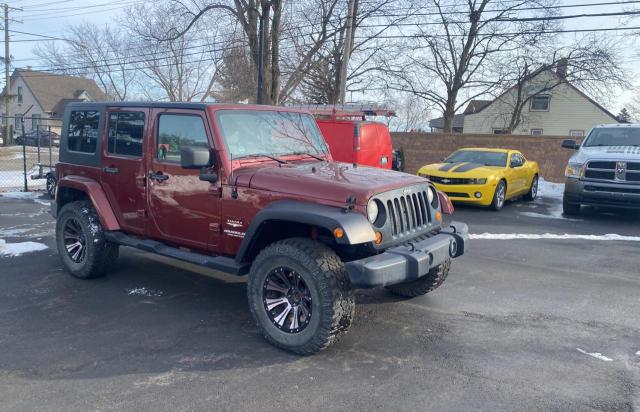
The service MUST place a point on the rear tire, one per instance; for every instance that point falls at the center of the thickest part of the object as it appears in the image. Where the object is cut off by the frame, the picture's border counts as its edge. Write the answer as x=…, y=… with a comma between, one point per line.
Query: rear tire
x=423, y=285
x=300, y=296
x=569, y=208
x=81, y=244
x=533, y=190
x=499, y=196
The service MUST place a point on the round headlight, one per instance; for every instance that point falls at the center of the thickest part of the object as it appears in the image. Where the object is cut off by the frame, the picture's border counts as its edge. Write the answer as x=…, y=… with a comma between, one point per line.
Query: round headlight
x=432, y=196
x=372, y=211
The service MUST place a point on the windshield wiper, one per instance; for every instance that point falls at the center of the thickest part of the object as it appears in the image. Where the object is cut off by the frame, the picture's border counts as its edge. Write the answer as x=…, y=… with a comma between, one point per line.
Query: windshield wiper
x=277, y=159
x=310, y=155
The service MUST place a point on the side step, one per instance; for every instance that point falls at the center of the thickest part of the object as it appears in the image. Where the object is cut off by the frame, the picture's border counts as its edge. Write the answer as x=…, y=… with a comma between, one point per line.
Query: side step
x=221, y=263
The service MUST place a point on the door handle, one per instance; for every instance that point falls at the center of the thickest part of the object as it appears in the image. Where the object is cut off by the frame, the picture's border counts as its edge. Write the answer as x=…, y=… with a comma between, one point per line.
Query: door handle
x=110, y=169
x=159, y=177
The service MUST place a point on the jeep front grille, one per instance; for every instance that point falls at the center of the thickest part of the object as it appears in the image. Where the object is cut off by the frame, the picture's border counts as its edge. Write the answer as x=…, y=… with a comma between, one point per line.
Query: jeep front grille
x=612, y=171
x=408, y=213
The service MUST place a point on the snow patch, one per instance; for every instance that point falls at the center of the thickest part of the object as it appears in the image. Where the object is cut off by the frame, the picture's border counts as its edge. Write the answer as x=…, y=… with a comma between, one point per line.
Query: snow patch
x=566, y=236
x=14, y=179
x=13, y=232
x=144, y=292
x=17, y=249
x=35, y=196
x=638, y=353
x=596, y=355
x=550, y=189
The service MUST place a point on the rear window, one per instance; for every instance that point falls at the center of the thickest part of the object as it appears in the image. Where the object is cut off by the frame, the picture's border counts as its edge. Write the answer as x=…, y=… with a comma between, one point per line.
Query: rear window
x=126, y=130
x=82, y=134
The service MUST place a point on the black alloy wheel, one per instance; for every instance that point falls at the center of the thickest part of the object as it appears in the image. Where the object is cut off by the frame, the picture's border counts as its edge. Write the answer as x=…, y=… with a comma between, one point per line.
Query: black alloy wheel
x=287, y=300
x=75, y=242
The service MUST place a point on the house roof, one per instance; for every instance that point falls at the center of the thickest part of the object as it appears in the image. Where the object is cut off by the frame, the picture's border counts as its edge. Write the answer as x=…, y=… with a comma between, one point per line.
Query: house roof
x=50, y=89
x=475, y=106
x=481, y=107
x=438, y=123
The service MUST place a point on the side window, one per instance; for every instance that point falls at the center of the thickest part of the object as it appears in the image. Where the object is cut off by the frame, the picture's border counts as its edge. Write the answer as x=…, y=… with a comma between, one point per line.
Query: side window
x=126, y=131
x=175, y=131
x=516, y=160
x=82, y=134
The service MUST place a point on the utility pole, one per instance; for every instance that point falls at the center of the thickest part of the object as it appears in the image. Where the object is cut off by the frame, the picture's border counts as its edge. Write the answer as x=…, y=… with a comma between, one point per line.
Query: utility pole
x=7, y=68
x=346, y=54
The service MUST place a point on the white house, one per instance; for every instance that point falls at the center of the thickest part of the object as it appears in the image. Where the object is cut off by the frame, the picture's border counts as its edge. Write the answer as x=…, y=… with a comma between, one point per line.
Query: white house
x=552, y=106
x=43, y=97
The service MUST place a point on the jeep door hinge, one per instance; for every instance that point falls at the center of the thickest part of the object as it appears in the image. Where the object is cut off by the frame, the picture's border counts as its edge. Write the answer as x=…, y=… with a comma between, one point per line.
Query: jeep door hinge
x=214, y=227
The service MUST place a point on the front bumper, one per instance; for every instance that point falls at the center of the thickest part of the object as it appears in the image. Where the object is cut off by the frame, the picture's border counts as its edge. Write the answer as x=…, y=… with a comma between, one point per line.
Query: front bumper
x=409, y=262
x=592, y=193
x=468, y=193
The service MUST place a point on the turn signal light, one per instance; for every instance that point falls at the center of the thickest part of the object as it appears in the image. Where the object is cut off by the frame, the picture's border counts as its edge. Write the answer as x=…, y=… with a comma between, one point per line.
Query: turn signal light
x=378, y=238
x=439, y=216
x=338, y=233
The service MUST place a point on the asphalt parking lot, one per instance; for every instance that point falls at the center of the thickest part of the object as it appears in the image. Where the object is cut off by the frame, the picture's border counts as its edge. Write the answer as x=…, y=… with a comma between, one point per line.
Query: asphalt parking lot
x=550, y=322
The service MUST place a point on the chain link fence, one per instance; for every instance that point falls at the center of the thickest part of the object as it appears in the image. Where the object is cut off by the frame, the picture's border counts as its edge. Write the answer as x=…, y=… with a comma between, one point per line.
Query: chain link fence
x=28, y=157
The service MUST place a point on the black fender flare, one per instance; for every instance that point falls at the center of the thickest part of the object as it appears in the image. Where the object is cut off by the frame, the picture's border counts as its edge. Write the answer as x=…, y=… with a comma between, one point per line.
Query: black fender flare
x=356, y=227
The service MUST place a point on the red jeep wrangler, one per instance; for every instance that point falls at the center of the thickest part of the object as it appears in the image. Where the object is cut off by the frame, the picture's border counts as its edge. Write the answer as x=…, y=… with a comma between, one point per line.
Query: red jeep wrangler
x=248, y=190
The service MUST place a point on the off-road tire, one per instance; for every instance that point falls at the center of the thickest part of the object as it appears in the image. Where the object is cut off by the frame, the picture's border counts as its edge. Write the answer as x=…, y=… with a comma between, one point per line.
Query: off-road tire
x=332, y=299
x=496, y=203
x=533, y=190
x=51, y=185
x=100, y=255
x=423, y=285
x=569, y=208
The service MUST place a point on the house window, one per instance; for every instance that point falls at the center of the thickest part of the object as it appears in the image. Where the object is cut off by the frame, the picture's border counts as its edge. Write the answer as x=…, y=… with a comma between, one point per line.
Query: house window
x=540, y=103
x=19, y=94
x=17, y=122
x=500, y=131
x=126, y=130
x=35, y=121
x=82, y=134
x=4, y=118
x=576, y=133
x=537, y=132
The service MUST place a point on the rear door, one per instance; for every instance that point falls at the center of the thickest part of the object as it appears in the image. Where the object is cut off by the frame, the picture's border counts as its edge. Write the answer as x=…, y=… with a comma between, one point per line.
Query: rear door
x=123, y=170
x=184, y=210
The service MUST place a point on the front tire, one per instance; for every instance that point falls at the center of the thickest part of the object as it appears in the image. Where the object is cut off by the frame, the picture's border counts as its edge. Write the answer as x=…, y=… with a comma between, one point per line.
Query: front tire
x=80, y=240
x=569, y=208
x=423, y=285
x=300, y=296
x=499, y=196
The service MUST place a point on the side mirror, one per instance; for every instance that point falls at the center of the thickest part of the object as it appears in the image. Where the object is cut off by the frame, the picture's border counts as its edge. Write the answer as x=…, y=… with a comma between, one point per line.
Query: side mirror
x=570, y=144
x=192, y=157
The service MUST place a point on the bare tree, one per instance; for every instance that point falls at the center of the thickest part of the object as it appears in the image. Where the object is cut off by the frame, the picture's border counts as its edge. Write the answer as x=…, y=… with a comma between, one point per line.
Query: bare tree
x=591, y=64
x=447, y=62
x=102, y=54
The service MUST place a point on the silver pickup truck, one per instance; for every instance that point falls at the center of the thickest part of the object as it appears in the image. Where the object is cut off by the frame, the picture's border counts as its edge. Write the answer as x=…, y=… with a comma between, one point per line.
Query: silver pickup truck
x=605, y=170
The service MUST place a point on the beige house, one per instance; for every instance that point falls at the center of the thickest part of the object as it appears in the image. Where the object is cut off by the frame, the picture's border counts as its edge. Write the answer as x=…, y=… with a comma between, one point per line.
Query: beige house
x=43, y=97
x=552, y=106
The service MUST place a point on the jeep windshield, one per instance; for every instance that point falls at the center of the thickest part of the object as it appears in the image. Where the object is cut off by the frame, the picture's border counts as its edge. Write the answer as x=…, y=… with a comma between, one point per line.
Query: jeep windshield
x=481, y=157
x=256, y=133
x=613, y=136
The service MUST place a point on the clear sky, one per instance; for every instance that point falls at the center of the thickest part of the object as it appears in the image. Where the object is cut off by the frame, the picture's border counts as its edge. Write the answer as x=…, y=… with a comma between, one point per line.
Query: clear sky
x=52, y=17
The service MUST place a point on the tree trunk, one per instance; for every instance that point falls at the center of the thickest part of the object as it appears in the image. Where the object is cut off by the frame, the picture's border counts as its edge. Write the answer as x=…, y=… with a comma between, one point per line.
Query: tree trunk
x=275, y=52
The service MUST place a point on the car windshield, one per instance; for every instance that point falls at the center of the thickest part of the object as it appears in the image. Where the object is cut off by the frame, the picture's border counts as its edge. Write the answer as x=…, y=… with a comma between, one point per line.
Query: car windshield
x=249, y=133
x=481, y=157
x=614, y=136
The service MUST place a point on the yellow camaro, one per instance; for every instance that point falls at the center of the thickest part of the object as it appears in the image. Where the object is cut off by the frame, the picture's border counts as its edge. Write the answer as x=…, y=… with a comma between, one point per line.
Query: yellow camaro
x=486, y=177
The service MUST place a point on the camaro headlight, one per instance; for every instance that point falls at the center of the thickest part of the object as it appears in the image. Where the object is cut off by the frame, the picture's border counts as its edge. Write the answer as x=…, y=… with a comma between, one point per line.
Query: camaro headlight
x=372, y=211
x=573, y=170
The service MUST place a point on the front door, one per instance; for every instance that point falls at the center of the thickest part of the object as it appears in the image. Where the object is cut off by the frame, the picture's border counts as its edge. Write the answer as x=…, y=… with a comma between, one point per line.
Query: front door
x=123, y=169
x=184, y=210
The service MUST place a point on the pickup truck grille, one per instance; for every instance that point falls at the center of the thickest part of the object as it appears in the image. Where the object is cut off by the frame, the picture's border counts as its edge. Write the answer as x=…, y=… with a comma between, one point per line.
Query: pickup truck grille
x=409, y=213
x=612, y=171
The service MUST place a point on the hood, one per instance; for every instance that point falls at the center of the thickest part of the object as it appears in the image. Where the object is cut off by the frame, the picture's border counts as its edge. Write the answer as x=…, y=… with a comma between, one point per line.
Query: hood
x=619, y=153
x=331, y=181
x=460, y=169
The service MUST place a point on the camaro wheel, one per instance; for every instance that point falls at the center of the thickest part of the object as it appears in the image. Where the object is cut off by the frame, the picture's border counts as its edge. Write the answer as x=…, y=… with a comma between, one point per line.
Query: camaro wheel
x=533, y=190
x=81, y=244
x=423, y=285
x=499, y=196
x=51, y=186
x=300, y=296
